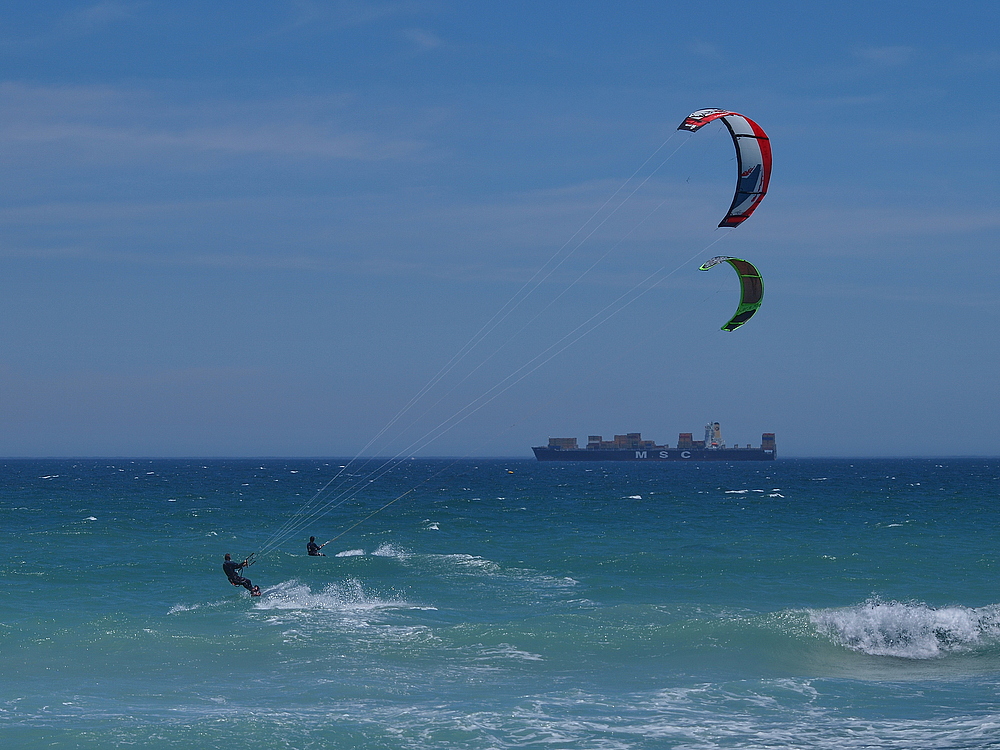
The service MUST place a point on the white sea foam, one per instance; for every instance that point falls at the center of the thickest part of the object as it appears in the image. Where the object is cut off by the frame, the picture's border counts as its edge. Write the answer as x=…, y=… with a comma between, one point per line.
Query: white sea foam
x=178, y=608
x=909, y=630
x=383, y=550
x=390, y=550
x=350, y=553
x=348, y=596
x=778, y=714
x=473, y=562
x=507, y=651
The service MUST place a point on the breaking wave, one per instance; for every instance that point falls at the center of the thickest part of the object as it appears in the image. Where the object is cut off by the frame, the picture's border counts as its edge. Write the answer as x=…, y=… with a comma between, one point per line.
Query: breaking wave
x=909, y=630
x=345, y=596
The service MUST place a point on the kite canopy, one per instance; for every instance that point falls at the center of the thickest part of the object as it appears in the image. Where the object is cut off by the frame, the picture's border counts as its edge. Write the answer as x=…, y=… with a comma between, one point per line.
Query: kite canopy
x=751, y=288
x=753, y=153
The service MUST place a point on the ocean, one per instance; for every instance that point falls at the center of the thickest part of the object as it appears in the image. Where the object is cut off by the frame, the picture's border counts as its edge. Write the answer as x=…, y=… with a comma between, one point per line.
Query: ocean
x=480, y=604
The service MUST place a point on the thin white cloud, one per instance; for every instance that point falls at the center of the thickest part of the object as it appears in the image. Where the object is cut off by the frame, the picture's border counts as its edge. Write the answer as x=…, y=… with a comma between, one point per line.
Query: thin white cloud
x=505, y=236
x=98, y=16
x=849, y=230
x=326, y=16
x=982, y=61
x=279, y=139
x=423, y=39
x=889, y=57
x=705, y=50
x=920, y=294
x=78, y=22
x=121, y=125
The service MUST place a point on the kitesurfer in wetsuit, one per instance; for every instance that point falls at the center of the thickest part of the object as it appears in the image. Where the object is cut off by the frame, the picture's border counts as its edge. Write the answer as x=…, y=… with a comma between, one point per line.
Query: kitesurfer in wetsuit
x=232, y=571
x=314, y=549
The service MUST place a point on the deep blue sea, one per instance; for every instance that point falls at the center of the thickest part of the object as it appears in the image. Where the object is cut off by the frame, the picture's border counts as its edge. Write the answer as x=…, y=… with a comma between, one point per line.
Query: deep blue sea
x=501, y=604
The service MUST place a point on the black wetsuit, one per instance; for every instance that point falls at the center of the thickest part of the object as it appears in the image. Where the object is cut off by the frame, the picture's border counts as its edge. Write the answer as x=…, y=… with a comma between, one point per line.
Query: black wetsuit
x=232, y=570
x=313, y=549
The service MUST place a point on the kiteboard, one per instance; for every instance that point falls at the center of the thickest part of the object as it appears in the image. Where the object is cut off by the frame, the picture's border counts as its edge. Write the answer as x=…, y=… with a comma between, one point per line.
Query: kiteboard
x=256, y=591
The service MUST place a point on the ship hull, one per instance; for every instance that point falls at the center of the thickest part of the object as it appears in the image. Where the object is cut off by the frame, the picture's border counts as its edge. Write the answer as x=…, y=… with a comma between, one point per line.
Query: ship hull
x=544, y=453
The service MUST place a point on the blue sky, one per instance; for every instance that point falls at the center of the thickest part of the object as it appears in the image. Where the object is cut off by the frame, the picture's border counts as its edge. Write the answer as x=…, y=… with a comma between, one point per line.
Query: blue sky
x=260, y=229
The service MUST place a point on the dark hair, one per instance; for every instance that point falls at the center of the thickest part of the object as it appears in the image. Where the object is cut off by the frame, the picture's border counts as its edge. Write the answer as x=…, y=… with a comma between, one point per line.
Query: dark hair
x=228, y=557
x=312, y=539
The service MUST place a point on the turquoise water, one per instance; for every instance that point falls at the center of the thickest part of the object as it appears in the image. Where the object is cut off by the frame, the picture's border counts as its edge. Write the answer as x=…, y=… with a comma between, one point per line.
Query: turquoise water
x=502, y=604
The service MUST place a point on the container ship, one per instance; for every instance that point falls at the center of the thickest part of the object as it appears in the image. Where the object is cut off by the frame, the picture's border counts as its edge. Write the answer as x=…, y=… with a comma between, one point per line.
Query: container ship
x=631, y=447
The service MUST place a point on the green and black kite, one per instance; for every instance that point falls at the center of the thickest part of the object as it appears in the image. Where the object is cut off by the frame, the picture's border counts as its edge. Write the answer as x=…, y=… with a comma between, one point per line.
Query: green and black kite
x=751, y=288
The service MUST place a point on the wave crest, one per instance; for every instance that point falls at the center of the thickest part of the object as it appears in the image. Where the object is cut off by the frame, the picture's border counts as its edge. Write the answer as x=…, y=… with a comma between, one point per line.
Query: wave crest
x=909, y=630
x=346, y=596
